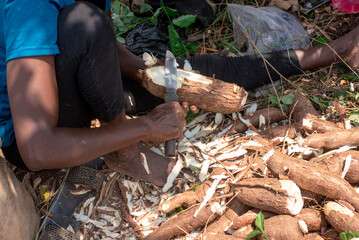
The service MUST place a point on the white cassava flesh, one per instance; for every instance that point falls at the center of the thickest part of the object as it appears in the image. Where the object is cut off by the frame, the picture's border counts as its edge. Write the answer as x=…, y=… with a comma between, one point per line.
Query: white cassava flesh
x=157, y=74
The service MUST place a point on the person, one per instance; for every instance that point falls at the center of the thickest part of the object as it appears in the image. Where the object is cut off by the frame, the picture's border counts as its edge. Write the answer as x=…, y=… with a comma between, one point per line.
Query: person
x=61, y=66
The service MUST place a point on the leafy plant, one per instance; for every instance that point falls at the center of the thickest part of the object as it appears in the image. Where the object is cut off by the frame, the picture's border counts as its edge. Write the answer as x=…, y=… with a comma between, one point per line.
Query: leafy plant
x=177, y=210
x=194, y=187
x=124, y=19
x=283, y=101
x=354, y=118
x=348, y=235
x=320, y=41
x=178, y=47
x=259, y=222
x=350, y=76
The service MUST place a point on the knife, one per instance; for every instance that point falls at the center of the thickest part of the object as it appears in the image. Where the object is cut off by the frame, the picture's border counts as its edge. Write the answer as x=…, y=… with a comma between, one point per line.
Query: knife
x=171, y=94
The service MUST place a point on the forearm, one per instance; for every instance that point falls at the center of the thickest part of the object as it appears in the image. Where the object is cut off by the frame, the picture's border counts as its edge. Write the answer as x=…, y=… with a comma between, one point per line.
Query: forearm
x=130, y=64
x=65, y=147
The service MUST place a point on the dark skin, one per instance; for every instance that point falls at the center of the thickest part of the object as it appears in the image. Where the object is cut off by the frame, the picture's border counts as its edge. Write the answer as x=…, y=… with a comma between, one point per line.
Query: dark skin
x=34, y=105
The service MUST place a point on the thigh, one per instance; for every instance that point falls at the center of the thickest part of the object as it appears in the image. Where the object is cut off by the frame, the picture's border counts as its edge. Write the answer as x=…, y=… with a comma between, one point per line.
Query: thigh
x=87, y=69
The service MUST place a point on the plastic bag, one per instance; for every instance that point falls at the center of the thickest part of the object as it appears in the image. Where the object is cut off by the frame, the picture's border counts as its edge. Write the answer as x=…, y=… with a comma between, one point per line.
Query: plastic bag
x=270, y=28
x=148, y=38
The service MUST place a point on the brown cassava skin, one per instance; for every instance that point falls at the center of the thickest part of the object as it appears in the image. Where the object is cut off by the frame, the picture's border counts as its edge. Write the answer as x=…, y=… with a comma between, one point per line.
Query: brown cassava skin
x=310, y=198
x=280, y=131
x=335, y=163
x=235, y=209
x=282, y=227
x=339, y=220
x=331, y=234
x=189, y=198
x=263, y=193
x=185, y=199
x=183, y=223
x=219, y=97
x=310, y=176
x=218, y=236
x=243, y=232
x=301, y=107
x=333, y=140
x=314, y=219
x=313, y=236
x=318, y=125
x=248, y=218
x=270, y=115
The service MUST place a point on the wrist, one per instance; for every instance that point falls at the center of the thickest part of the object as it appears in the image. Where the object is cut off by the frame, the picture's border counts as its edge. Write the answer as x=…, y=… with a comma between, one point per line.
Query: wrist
x=147, y=127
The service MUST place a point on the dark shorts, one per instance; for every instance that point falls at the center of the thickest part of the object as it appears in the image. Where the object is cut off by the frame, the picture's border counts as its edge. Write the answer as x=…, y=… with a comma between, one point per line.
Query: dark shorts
x=87, y=71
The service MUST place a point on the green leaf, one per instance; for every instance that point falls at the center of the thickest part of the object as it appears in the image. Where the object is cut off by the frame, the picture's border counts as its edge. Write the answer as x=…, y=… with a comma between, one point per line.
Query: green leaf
x=194, y=187
x=145, y=8
x=253, y=234
x=153, y=19
x=273, y=99
x=348, y=235
x=177, y=48
x=350, y=76
x=193, y=168
x=116, y=6
x=320, y=41
x=259, y=222
x=170, y=11
x=190, y=116
x=288, y=99
x=354, y=117
x=341, y=68
x=184, y=20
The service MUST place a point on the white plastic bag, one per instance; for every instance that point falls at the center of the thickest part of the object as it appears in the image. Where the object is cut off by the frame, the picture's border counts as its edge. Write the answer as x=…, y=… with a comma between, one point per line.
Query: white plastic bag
x=270, y=28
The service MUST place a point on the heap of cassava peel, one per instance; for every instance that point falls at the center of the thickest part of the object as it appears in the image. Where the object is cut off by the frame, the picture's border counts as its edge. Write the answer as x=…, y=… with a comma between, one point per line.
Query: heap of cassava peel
x=299, y=171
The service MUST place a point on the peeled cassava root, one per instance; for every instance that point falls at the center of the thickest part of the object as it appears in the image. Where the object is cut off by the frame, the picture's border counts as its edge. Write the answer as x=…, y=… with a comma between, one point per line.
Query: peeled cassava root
x=310, y=176
x=209, y=94
x=341, y=218
x=270, y=194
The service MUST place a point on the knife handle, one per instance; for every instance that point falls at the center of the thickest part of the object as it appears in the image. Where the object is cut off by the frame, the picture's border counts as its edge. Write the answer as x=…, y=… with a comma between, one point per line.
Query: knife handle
x=170, y=148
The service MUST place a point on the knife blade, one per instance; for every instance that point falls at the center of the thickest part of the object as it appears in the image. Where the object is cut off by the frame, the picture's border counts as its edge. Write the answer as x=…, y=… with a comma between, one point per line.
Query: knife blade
x=171, y=94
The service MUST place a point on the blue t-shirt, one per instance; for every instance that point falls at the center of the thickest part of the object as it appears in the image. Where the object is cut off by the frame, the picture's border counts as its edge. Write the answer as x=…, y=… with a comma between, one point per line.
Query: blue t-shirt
x=27, y=28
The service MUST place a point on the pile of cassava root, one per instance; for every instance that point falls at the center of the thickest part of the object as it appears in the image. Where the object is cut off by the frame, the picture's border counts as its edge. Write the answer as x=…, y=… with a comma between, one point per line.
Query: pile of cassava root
x=300, y=171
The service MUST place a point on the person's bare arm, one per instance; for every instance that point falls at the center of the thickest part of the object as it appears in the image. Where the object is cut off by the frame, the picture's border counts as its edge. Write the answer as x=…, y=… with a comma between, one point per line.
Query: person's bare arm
x=33, y=99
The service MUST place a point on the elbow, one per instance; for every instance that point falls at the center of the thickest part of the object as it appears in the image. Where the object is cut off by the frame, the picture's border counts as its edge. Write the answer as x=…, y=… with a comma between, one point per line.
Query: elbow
x=33, y=159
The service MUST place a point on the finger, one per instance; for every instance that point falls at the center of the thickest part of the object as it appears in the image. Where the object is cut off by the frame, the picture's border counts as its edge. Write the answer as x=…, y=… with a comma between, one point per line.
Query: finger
x=185, y=106
x=194, y=109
